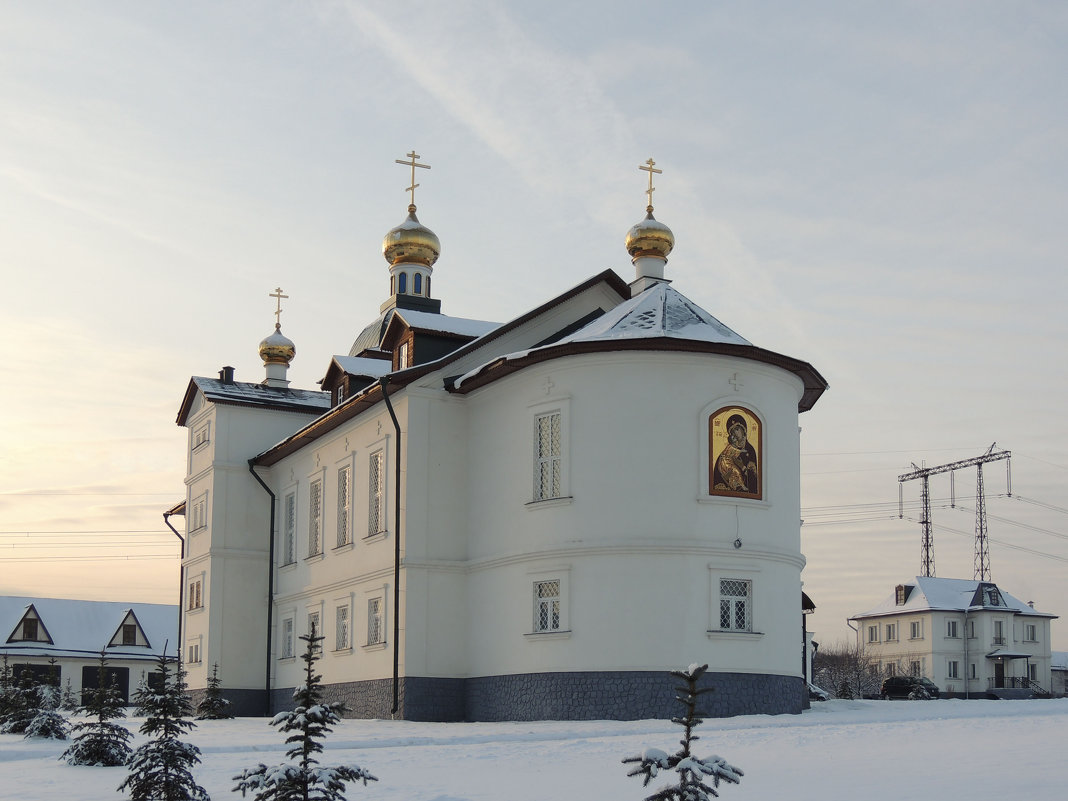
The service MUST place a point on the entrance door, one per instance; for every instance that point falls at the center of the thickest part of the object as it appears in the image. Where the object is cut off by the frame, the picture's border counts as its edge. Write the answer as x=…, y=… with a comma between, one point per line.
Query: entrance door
x=999, y=674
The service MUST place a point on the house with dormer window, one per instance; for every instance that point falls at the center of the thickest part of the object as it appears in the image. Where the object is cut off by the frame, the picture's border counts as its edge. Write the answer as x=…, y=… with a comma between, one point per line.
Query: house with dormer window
x=61, y=639
x=969, y=637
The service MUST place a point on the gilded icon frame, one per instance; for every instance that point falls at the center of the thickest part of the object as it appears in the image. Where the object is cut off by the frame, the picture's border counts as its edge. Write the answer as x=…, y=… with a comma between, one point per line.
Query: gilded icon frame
x=733, y=471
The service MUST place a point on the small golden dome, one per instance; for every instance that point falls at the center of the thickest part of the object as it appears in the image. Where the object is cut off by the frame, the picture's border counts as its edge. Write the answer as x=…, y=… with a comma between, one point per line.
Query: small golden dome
x=277, y=348
x=411, y=242
x=650, y=238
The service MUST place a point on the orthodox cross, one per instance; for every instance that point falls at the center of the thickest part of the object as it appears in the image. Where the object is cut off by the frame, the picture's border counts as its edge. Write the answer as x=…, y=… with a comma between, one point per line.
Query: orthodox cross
x=277, y=295
x=413, y=164
x=735, y=382
x=650, y=167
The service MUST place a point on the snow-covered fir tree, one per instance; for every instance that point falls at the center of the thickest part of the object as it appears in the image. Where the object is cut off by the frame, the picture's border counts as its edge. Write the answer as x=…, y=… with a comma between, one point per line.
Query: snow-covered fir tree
x=99, y=741
x=68, y=702
x=49, y=723
x=24, y=702
x=7, y=684
x=692, y=771
x=160, y=769
x=303, y=778
x=214, y=706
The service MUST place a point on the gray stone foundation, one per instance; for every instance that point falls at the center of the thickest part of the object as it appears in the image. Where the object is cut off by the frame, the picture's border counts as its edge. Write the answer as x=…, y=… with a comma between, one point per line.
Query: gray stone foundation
x=601, y=695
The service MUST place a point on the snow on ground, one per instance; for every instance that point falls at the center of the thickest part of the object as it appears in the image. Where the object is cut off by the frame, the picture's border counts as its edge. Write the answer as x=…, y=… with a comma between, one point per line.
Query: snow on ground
x=870, y=750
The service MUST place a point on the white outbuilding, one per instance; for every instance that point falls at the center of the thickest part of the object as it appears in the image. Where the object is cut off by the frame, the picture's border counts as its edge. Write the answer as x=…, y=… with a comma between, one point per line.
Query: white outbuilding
x=529, y=520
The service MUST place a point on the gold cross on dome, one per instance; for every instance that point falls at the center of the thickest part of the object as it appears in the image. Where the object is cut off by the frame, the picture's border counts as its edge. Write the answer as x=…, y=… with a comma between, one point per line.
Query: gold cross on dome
x=650, y=167
x=413, y=163
x=277, y=294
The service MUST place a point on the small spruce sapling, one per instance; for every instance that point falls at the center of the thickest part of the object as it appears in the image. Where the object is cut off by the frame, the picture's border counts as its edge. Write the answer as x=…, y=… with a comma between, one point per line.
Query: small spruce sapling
x=214, y=706
x=160, y=768
x=23, y=705
x=48, y=723
x=99, y=741
x=692, y=771
x=7, y=685
x=68, y=702
x=303, y=778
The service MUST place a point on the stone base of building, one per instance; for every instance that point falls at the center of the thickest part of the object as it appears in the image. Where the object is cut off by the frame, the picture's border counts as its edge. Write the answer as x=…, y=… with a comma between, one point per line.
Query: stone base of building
x=243, y=703
x=595, y=695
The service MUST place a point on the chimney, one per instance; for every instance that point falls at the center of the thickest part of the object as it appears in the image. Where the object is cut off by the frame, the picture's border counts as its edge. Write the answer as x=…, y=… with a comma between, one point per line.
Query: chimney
x=226, y=375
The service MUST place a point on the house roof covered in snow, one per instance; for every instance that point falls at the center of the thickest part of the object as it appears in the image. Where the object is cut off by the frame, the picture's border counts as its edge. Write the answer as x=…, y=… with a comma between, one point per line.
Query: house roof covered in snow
x=241, y=393
x=927, y=593
x=85, y=628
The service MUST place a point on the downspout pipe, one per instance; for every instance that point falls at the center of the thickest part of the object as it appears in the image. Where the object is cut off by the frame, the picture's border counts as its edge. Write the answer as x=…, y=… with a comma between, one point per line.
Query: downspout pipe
x=270, y=592
x=181, y=582
x=396, y=547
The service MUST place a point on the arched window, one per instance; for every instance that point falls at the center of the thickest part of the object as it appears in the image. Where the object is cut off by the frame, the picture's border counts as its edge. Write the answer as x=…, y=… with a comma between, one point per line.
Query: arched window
x=393, y=285
x=402, y=284
x=417, y=284
x=428, y=286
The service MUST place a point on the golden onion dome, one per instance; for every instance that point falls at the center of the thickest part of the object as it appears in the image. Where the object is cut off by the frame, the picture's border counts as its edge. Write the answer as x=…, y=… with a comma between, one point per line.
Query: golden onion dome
x=650, y=238
x=411, y=242
x=277, y=348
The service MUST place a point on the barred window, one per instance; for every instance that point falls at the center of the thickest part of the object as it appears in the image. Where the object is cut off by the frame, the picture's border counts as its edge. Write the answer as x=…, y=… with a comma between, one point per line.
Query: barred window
x=375, y=494
x=343, y=505
x=547, y=459
x=315, y=518
x=289, y=535
x=735, y=608
x=375, y=629
x=287, y=638
x=341, y=628
x=547, y=605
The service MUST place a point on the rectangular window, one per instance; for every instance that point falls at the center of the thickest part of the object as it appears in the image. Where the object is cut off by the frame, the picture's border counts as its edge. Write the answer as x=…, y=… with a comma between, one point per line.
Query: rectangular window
x=129, y=634
x=971, y=629
x=915, y=630
x=951, y=628
x=1031, y=632
x=198, y=519
x=891, y=669
x=29, y=628
x=547, y=605
x=734, y=605
x=914, y=668
x=287, y=639
x=953, y=670
x=973, y=673
x=201, y=435
x=873, y=634
x=341, y=628
x=343, y=505
x=402, y=356
x=315, y=518
x=341, y=392
x=891, y=632
x=375, y=480
x=196, y=600
x=375, y=626
x=547, y=459
x=999, y=633
x=194, y=652
x=1032, y=672
x=289, y=529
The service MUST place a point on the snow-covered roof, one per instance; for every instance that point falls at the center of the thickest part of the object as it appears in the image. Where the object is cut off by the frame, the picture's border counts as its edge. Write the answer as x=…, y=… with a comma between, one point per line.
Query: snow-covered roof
x=240, y=393
x=361, y=365
x=944, y=594
x=443, y=324
x=1059, y=660
x=660, y=311
x=84, y=628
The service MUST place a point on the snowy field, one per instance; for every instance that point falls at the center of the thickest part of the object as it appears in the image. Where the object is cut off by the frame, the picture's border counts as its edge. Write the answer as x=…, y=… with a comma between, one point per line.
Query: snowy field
x=856, y=750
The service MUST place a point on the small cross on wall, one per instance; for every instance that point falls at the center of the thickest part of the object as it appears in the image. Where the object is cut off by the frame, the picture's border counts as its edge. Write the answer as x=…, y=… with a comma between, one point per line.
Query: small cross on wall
x=736, y=382
x=548, y=385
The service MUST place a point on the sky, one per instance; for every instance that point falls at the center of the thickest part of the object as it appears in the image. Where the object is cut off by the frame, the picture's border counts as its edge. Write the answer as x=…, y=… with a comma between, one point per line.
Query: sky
x=825, y=754
x=876, y=188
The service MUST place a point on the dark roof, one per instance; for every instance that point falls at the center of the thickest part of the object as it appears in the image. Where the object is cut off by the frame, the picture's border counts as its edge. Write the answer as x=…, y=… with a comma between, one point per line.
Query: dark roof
x=239, y=393
x=371, y=336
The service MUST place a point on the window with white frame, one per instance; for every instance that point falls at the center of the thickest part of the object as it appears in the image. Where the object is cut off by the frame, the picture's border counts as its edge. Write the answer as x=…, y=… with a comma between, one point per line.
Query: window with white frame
x=289, y=528
x=953, y=669
x=375, y=495
x=891, y=632
x=971, y=629
x=915, y=630
x=194, y=651
x=735, y=604
x=873, y=634
x=547, y=608
x=198, y=517
x=344, y=505
x=196, y=599
x=402, y=356
x=999, y=633
x=1032, y=671
x=1030, y=632
x=286, y=646
x=341, y=628
x=972, y=672
x=376, y=624
x=890, y=668
x=315, y=627
x=201, y=435
x=951, y=629
x=548, y=461
x=315, y=517
x=915, y=668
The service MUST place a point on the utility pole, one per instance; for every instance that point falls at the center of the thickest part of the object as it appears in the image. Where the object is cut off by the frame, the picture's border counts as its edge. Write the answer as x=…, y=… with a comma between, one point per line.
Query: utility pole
x=982, y=554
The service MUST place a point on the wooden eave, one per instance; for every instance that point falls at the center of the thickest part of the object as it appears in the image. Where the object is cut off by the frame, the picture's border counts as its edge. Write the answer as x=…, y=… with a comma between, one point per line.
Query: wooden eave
x=814, y=383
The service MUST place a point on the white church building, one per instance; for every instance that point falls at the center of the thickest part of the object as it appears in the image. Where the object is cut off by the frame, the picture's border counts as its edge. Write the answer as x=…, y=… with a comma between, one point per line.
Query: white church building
x=529, y=520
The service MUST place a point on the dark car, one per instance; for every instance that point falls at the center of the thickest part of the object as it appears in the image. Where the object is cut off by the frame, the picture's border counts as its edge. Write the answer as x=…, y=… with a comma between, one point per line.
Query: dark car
x=911, y=687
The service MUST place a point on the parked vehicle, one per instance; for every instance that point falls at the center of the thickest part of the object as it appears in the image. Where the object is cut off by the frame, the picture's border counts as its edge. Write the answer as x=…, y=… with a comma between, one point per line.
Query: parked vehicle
x=915, y=688
x=817, y=694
